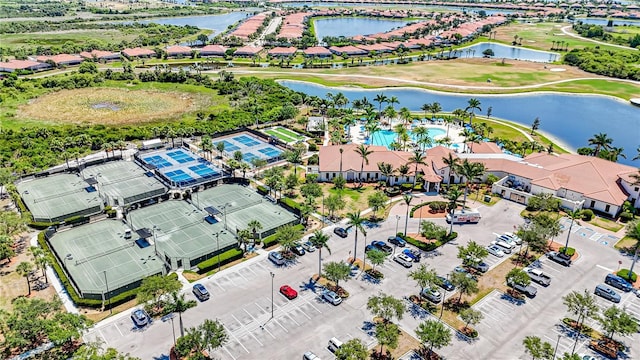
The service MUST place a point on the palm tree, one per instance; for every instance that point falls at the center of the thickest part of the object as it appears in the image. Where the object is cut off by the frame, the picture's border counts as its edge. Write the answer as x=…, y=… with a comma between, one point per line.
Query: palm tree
x=583, y=305
x=633, y=231
x=380, y=98
x=25, y=269
x=470, y=171
x=453, y=162
x=319, y=240
x=600, y=141
x=467, y=134
x=426, y=108
x=181, y=305
x=393, y=100
x=255, y=226
x=453, y=195
x=206, y=145
x=637, y=157
x=473, y=104
x=435, y=108
x=418, y=158
x=364, y=153
x=355, y=220
x=407, y=200
x=387, y=171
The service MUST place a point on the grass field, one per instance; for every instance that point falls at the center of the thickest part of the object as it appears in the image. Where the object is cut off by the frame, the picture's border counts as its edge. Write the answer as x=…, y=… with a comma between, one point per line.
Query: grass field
x=73, y=36
x=284, y=134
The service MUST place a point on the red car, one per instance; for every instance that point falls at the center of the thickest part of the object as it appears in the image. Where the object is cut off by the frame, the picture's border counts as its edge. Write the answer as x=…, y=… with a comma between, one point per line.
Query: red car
x=287, y=291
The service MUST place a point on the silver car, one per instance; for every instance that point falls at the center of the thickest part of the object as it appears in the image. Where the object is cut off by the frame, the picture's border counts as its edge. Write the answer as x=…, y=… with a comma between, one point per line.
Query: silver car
x=403, y=260
x=431, y=295
x=308, y=246
x=495, y=250
x=506, y=247
x=332, y=297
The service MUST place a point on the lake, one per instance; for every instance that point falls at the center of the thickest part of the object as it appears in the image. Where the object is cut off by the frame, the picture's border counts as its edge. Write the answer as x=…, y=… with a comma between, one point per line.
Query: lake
x=351, y=26
x=217, y=23
x=378, y=6
x=508, y=52
x=603, y=22
x=571, y=118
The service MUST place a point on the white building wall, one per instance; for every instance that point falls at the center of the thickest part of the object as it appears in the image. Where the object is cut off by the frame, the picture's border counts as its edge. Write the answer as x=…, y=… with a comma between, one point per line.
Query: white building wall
x=601, y=206
x=634, y=193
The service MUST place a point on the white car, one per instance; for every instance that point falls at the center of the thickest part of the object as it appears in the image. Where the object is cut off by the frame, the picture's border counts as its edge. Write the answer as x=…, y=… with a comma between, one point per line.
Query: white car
x=276, y=258
x=495, y=250
x=513, y=237
x=403, y=260
x=308, y=246
x=332, y=297
x=507, y=239
x=506, y=248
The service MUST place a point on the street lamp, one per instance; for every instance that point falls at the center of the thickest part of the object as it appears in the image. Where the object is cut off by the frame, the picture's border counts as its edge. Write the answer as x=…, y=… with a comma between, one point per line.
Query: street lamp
x=444, y=295
x=566, y=245
x=323, y=208
x=397, y=220
x=218, y=247
x=556, y=349
x=406, y=220
x=173, y=328
x=224, y=209
x=106, y=284
x=272, y=275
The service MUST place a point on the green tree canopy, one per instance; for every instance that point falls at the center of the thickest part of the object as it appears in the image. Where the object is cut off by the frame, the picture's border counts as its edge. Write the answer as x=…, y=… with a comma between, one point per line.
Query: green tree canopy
x=353, y=349
x=337, y=271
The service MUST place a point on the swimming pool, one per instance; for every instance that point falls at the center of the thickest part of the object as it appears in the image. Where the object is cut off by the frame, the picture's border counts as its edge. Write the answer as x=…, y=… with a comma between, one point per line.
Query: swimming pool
x=386, y=137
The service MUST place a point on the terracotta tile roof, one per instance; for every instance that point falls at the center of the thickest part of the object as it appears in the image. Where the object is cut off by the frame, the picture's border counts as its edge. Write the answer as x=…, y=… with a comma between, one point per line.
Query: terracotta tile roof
x=248, y=50
x=61, y=59
x=349, y=50
x=99, y=54
x=282, y=51
x=484, y=148
x=317, y=50
x=135, y=52
x=20, y=64
x=213, y=49
x=178, y=49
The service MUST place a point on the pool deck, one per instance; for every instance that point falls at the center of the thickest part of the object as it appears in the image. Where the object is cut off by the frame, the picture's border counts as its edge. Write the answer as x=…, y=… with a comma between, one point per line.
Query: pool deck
x=357, y=136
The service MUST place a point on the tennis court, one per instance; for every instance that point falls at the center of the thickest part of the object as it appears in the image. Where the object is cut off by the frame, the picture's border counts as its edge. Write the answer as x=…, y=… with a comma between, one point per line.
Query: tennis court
x=181, y=167
x=183, y=234
x=91, y=252
x=58, y=197
x=250, y=146
x=124, y=182
x=238, y=205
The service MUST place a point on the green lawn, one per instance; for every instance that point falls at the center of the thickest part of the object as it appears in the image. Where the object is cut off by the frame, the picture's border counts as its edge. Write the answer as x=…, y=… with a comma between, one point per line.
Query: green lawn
x=289, y=133
x=279, y=135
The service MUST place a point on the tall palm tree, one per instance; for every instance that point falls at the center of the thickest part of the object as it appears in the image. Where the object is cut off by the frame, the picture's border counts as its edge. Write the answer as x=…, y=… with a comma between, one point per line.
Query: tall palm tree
x=426, y=108
x=320, y=240
x=393, y=100
x=473, y=104
x=255, y=226
x=380, y=99
x=470, y=171
x=600, y=141
x=24, y=269
x=453, y=195
x=633, y=231
x=364, y=153
x=418, y=158
x=637, y=157
x=435, y=108
x=405, y=115
x=387, y=171
x=180, y=305
x=467, y=134
x=452, y=162
x=355, y=220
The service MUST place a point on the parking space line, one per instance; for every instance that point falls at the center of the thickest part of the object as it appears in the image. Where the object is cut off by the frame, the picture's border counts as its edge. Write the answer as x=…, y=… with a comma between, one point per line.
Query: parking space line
x=604, y=268
x=242, y=276
x=118, y=328
x=228, y=352
x=104, y=338
x=283, y=328
x=234, y=336
x=251, y=332
x=294, y=320
x=313, y=306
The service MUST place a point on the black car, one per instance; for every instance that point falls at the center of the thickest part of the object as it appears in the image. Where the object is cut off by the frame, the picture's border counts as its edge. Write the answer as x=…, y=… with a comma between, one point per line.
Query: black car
x=340, y=232
x=445, y=284
x=397, y=240
x=561, y=259
x=382, y=246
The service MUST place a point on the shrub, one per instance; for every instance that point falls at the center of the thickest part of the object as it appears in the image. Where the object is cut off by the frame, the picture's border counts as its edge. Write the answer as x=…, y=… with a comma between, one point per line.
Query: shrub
x=587, y=215
x=624, y=273
x=626, y=216
x=225, y=258
x=406, y=186
x=312, y=146
x=272, y=240
x=570, y=251
x=263, y=190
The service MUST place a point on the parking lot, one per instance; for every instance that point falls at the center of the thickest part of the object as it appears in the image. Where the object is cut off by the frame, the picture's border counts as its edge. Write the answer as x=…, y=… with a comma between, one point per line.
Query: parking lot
x=241, y=300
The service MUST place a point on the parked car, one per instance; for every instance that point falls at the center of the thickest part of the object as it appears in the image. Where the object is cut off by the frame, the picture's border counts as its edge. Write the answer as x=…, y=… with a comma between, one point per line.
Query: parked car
x=495, y=250
x=482, y=266
x=538, y=276
x=288, y=292
x=505, y=247
x=460, y=269
x=140, y=318
x=308, y=246
x=403, y=260
x=561, y=259
x=413, y=254
x=200, y=292
x=310, y=356
x=607, y=293
x=528, y=290
x=340, y=232
x=513, y=237
x=618, y=282
x=397, y=240
x=432, y=295
x=382, y=246
x=445, y=284
x=332, y=297
x=276, y=258
x=298, y=250
x=507, y=239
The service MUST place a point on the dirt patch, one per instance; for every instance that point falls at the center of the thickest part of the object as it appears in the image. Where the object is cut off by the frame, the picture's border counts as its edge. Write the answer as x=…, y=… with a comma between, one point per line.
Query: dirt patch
x=425, y=212
x=109, y=106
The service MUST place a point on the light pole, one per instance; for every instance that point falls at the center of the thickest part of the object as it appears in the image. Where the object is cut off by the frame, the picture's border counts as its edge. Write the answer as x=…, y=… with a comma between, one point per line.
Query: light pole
x=397, y=221
x=224, y=208
x=218, y=247
x=444, y=295
x=406, y=220
x=323, y=207
x=272, y=275
x=155, y=242
x=566, y=245
x=106, y=284
x=556, y=349
x=173, y=329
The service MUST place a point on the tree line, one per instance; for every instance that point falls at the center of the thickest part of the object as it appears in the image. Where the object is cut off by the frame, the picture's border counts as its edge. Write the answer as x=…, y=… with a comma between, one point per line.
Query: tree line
x=622, y=64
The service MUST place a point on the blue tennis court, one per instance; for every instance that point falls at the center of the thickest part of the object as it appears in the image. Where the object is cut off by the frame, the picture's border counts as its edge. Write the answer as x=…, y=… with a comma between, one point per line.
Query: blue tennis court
x=203, y=171
x=228, y=147
x=248, y=157
x=270, y=152
x=179, y=176
x=180, y=156
x=246, y=140
x=158, y=161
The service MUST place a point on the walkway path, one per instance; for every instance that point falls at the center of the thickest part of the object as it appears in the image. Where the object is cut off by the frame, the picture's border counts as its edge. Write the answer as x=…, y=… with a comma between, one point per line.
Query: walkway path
x=566, y=31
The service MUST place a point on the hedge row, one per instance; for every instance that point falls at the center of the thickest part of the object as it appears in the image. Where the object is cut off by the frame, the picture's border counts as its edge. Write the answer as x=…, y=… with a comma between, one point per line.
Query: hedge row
x=290, y=205
x=263, y=190
x=225, y=258
x=624, y=273
x=115, y=301
x=443, y=204
x=428, y=246
x=271, y=240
